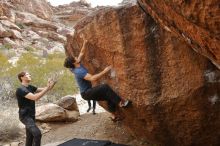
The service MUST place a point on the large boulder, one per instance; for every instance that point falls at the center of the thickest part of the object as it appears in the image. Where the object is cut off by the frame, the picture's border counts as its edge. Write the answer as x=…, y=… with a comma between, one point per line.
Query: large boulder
x=50, y=112
x=72, y=116
x=54, y=113
x=175, y=90
x=197, y=22
x=68, y=102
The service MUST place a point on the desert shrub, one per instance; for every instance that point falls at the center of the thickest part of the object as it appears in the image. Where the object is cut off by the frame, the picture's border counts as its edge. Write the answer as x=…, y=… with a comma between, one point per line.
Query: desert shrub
x=7, y=51
x=29, y=48
x=20, y=25
x=3, y=61
x=6, y=46
x=6, y=84
x=9, y=122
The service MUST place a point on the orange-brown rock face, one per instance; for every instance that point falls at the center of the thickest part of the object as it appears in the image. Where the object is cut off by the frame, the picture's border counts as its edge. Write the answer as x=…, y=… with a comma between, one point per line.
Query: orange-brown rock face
x=198, y=22
x=175, y=91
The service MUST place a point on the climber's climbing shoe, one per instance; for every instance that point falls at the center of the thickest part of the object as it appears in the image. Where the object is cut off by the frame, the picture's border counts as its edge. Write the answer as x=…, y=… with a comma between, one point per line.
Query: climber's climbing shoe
x=126, y=103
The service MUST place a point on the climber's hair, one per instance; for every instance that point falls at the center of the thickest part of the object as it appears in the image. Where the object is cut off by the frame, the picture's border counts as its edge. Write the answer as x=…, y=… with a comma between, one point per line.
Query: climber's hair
x=68, y=63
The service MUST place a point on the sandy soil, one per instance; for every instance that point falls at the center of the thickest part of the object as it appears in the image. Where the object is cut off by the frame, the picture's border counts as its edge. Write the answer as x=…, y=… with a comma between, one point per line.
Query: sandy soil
x=89, y=126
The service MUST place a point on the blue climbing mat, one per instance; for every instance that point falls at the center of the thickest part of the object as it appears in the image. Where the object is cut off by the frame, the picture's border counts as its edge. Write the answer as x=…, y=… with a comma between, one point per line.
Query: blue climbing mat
x=88, y=142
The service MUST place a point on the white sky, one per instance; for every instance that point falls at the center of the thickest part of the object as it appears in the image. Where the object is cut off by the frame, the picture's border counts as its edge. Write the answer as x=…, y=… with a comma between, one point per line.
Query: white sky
x=94, y=3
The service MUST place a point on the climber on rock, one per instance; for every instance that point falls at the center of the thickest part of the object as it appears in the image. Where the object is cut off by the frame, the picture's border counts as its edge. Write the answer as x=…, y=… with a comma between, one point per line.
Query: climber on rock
x=102, y=92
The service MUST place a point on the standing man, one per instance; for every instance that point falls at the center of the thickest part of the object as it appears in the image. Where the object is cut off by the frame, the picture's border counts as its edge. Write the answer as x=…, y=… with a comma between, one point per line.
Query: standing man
x=99, y=93
x=27, y=95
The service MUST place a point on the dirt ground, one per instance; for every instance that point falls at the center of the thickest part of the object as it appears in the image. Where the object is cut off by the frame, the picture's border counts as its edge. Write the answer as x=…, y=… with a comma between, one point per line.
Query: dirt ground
x=89, y=126
x=98, y=127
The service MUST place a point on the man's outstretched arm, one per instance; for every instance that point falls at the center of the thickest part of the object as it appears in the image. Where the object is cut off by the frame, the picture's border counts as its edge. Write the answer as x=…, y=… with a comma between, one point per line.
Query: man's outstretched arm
x=95, y=77
x=83, y=50
x=40, y=94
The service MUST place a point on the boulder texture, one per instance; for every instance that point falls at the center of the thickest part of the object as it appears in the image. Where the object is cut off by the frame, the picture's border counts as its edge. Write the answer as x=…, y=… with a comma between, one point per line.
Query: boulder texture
x=50, y=24
x=54, y=113
x=50, y=112
x=175, y=90
x=195, y=21
x=68, y=102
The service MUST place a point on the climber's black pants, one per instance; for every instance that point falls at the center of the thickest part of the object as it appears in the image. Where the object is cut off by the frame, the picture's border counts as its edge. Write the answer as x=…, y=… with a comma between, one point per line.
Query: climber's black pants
x=33, y=134
x=103, y=92
x=93, y=105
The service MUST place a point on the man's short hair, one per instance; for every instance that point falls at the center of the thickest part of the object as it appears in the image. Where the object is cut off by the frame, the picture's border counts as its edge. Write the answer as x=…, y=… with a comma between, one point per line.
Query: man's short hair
x=21, y=74
x=68, y=63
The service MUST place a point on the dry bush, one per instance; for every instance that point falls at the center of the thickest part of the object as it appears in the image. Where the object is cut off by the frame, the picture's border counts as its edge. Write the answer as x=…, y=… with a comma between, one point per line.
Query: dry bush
x=6, y=88
x=9, y=123
x=41, y=69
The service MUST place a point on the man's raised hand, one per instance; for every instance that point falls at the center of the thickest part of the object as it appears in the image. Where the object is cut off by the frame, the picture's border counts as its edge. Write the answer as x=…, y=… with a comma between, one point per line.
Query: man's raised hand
x=83, y=37
x=51, y=84
x=108, y=68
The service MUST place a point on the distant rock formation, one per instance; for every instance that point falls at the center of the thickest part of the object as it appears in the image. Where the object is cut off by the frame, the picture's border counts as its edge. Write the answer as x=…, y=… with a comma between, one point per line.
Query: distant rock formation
x=36, y=24
x=175, y=90
x=69, y=14
x=40, y=8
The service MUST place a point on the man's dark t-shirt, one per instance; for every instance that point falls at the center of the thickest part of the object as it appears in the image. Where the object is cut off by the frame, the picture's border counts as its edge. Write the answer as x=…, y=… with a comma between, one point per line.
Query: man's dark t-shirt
x=26, y=106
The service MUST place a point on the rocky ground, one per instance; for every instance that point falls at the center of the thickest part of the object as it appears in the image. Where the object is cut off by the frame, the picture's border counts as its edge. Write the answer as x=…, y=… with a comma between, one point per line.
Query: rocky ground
x=98, y=127
x=89, y=126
